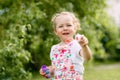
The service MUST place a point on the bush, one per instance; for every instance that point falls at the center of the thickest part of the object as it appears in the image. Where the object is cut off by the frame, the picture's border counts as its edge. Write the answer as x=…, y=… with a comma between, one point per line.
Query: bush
x=13, y=56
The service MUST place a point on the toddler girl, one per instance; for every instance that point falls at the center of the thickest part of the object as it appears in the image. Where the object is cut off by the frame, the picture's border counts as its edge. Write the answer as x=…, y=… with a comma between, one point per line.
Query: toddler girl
x=67, y=57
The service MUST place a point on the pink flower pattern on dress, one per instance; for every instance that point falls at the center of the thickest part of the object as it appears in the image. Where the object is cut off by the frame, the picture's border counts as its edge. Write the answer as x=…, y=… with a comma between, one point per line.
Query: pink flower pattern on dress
x=62, y=60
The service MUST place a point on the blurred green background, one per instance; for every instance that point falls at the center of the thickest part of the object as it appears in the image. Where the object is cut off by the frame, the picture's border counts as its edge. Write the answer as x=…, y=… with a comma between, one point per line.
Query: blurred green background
x=26, y=35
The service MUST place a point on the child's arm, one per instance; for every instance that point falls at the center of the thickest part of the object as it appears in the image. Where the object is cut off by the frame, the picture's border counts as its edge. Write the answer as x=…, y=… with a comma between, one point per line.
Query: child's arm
x=51, y=69
x=85, y=52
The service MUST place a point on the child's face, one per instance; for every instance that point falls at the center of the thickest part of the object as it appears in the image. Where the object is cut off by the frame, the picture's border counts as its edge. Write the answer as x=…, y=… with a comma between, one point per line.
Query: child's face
x=65, y=28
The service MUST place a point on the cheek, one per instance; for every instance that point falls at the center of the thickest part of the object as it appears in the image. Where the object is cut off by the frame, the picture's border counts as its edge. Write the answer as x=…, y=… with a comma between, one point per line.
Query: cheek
x=57, y=31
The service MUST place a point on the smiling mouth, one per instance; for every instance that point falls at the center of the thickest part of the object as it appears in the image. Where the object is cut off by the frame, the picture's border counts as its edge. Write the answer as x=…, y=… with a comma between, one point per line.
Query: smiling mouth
x=65, y=33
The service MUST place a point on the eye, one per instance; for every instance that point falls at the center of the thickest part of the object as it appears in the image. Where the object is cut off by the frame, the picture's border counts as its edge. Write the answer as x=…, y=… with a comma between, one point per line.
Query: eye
x=69, y=25
x=60, y=26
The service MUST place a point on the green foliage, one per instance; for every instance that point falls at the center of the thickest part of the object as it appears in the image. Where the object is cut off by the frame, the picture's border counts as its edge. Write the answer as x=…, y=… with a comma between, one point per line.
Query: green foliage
x=13, y=56
x=26, y=47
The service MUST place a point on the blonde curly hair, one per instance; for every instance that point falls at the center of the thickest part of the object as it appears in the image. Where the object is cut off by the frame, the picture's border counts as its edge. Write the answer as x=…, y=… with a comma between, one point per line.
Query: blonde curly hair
x=76, y=21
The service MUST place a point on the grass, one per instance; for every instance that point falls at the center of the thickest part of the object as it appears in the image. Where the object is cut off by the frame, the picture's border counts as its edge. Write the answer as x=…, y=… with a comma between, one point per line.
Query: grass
x=102, y=73
x=99, y=72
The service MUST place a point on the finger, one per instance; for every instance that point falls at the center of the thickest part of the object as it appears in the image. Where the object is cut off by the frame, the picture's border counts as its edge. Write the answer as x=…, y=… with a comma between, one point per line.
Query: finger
x=43, y=74
x=41, y=71
x=84, y=39
x=82, y=36
x=84, y=42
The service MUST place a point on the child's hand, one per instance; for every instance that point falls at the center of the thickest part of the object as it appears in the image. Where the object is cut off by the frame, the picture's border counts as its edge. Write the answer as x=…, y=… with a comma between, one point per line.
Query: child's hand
x=81, y=39
x=44, y=74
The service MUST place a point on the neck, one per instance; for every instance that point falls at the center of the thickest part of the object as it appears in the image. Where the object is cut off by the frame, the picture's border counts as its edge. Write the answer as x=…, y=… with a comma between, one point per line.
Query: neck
x=67, y=41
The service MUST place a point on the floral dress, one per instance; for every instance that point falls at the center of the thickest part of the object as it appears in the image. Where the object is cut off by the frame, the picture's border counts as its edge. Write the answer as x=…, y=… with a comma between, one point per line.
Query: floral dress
x=67, y=62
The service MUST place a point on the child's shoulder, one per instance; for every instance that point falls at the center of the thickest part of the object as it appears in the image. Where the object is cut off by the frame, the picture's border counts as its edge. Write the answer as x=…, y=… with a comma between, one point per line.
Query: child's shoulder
x=55, y=45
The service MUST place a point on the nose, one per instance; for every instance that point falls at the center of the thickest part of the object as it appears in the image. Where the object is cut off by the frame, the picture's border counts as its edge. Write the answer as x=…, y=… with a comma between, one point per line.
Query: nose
x=64, y=28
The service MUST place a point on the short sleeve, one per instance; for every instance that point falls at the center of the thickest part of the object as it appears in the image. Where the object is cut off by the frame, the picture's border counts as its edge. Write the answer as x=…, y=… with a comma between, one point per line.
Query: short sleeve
x=77, y=48
x=52, y=48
